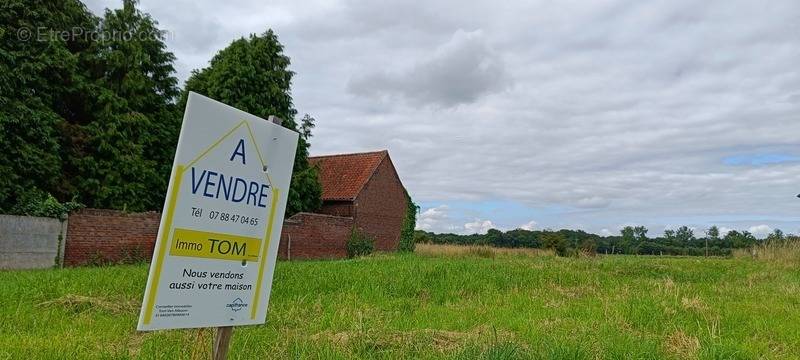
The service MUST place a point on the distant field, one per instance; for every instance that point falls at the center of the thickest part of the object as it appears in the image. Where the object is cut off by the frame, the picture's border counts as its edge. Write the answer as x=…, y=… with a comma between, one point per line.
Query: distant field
x=440, y=303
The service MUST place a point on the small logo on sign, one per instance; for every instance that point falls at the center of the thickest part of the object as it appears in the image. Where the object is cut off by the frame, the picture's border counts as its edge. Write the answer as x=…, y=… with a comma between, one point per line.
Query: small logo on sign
x=236, y=305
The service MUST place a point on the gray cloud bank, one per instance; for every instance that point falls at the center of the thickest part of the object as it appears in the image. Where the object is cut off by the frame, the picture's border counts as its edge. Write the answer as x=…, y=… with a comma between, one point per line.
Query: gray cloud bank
x=458, y=72
x=585, y=114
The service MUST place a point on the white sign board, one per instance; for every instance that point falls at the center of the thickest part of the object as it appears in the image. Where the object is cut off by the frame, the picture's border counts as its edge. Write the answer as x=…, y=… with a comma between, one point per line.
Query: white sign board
x=218, y=240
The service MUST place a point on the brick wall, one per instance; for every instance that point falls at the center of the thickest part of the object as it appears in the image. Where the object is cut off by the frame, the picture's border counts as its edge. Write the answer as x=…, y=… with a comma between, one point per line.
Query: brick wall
x=381, y=207
x=315, y=236
x=110, y=236
x=337, y=208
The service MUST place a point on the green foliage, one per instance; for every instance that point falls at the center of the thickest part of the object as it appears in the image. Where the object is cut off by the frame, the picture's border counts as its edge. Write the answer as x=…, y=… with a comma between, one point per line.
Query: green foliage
x=407, y=234
x=121, y=152
x=588, y=246
x=496, y=237
x=252, y=74
x=421, y=237
x=713, y=232
x=556, y=242
x=306, y=191
x=91, y=116
x=632, y=240
x=359, y=244
x=684, y=235
x=669, y=235
x=738, y=239
x=136, y=255
x=38, y=79
x=776, y=236
x=628, y=244
x=640, y=234
x=36, y=203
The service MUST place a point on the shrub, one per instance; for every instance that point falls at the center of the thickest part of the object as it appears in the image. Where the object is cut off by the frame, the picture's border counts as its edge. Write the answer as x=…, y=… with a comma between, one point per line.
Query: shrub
x=38, y=203
x=420, y=237
x=407, y=236
x=135, y=255
x=97, y=259
x=556, y=242
x=588, y=247
x=359, y=244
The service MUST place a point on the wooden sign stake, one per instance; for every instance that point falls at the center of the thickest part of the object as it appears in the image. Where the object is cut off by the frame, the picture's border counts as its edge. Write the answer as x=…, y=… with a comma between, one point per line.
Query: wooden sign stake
x=222, y=341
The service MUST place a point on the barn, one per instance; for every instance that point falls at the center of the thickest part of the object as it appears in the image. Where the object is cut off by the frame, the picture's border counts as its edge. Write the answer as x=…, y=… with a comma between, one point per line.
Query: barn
x=359, y=190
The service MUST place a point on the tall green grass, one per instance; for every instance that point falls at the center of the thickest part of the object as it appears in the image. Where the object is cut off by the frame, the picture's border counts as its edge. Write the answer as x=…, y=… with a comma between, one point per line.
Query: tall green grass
x=785, y=253
x=435, y=306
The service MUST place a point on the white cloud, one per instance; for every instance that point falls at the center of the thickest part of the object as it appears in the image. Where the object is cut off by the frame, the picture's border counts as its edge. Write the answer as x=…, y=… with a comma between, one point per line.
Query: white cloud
x=724, y=230
x=478, y=226
x=433, y=219
x=606, y=232
x=760, y=231
x=530, y=225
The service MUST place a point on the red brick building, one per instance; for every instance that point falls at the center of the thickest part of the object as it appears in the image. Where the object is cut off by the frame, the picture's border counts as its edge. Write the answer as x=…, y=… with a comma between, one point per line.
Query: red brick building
x=359, y=190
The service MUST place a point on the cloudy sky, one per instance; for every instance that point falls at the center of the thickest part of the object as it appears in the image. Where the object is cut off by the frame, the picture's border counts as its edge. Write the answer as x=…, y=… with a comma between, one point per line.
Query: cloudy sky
x=553, y=114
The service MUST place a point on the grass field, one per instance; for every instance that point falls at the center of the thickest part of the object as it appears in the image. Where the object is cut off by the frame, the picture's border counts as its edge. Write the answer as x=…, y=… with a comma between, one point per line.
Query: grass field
x=441, y=302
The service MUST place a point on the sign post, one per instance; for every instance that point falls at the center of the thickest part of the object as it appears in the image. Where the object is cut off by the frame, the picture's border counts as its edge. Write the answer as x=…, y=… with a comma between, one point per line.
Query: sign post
x=222, y=341
x=217, y=244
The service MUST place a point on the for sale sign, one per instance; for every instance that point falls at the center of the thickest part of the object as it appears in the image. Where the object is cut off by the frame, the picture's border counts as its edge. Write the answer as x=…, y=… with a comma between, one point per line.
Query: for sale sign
x=218, y=240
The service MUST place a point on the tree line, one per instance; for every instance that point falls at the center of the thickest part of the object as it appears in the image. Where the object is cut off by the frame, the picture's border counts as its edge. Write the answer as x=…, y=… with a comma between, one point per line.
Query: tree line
x=631, y=240
x=90, y=107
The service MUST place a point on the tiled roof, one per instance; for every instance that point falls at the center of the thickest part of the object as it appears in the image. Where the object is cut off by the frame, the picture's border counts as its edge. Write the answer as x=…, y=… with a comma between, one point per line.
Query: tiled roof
x=343, y=176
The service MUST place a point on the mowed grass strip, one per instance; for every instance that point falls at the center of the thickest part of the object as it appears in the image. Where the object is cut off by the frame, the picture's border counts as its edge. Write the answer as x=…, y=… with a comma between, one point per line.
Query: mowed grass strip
x=438, y=304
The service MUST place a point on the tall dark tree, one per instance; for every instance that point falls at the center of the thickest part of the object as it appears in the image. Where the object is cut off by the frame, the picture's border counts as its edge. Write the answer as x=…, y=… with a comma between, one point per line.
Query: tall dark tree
x=669, y=237
x=252, y=74
x=640, y=234
x=776, y=235
x=306, y=191
x=684, y=236
x=740, y=239
x=713, y=233
x=120, y=153
x=628, y=239
x=495, y=237
x=555, y=241
x=39, y=80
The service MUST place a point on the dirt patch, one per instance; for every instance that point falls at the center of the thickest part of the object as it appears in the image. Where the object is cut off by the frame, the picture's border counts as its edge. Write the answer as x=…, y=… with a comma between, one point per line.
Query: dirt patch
x=574, y=292
x=135, y=343
x=682, y=345
x=694, y=304
x=441, y=340
x=80, y=303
